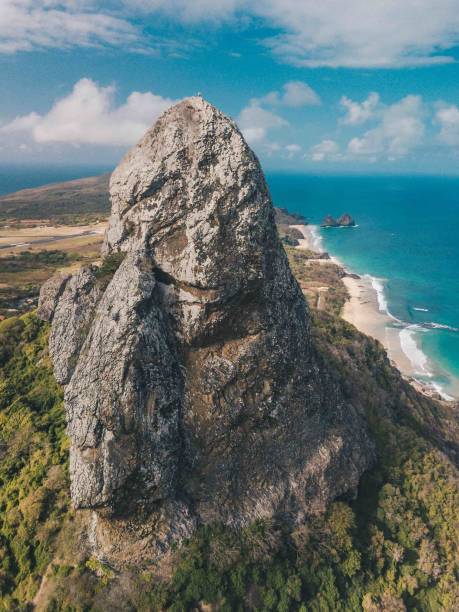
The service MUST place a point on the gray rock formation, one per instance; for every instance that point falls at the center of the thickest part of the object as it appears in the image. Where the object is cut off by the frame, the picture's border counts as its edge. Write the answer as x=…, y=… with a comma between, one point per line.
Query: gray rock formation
x=193, y=389
x=346, y=220
x=50, y=294
x=329, y=221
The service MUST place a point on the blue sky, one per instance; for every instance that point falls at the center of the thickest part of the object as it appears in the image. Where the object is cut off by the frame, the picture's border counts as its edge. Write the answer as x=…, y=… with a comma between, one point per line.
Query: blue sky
x=336, y=86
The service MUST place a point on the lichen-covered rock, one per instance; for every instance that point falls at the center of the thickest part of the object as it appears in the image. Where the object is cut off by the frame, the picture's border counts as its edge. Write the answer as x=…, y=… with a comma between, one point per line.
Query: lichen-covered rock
x=50, y=293
x=193, y=389
x=123, y=399
x=72, y=316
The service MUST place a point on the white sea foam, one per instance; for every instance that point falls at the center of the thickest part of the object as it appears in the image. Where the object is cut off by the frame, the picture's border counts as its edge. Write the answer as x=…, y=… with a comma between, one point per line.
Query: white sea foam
x=440, y=326
x=411, y=349
x=378, y=286
x=316, y=239
x=439, y=389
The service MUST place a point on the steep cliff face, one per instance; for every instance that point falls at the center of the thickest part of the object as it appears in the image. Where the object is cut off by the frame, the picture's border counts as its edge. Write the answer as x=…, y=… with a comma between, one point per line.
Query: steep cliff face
x=192, y=386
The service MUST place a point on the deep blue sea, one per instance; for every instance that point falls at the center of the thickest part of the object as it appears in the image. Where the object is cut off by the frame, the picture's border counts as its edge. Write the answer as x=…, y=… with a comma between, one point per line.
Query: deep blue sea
x=407, y=238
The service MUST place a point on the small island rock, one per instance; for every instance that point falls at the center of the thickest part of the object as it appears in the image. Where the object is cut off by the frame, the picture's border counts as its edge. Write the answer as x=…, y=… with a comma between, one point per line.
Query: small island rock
x=329, y=221
x=346, y=221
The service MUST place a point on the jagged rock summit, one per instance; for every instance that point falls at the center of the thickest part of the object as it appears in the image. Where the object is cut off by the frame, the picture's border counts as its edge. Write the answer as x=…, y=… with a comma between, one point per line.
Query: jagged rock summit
x=193, y=389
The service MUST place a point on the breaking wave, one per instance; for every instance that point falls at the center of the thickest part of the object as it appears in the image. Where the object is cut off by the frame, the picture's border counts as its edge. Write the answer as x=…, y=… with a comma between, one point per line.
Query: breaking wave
x=417, y=357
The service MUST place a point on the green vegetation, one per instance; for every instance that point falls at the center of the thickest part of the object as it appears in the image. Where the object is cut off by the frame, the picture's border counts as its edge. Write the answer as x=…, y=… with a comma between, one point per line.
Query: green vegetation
x=322, y=278
x=73, y=202
x=33, y=456
x=22, y=275
x=29, y=260
x=393, y=548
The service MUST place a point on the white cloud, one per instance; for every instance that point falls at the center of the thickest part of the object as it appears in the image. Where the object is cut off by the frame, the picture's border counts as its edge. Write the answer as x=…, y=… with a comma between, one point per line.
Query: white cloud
x=400, y=130
x=327, y=150
x=294, y=94
x=380, y=33
x=190, y=11
x=358, y=113
x=292, y=150
x=256, y=122
x=357, y=33
x=88, y=115
x=30, y=24
x=448, y=118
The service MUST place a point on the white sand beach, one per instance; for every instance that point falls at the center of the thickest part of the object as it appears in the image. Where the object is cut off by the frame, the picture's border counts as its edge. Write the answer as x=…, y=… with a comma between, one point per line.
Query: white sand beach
x=363, y=310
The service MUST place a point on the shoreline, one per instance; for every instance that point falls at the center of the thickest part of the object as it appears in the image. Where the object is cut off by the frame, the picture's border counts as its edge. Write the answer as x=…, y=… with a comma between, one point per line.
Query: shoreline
x=366, y=309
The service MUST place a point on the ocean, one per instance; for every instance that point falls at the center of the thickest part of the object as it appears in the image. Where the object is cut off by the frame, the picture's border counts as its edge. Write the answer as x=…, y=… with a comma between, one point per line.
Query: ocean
x=407, y=240
x=13, y=177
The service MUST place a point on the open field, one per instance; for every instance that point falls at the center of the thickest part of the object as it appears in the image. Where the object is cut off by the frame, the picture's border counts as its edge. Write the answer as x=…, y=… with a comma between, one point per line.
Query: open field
x=44, y=237
x=30, y=255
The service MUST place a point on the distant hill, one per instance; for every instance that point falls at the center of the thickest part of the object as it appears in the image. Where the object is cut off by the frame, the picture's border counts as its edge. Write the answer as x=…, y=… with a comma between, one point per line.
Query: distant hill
x=69, y=200
x=58, y=201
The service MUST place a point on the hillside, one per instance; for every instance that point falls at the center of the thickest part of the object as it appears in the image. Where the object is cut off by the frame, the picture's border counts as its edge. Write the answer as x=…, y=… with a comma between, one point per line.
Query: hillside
x=60, y=202
x=393, y=547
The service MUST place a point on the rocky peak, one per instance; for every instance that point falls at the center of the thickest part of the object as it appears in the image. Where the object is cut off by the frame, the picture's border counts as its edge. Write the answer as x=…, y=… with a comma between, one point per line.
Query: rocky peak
x=193, y=390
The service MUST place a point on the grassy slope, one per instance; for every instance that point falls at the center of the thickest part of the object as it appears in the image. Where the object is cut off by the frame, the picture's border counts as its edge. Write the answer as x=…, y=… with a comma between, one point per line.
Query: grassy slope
x=33, y=457
x=78, y=200
x=22, y=274
x=394, y=547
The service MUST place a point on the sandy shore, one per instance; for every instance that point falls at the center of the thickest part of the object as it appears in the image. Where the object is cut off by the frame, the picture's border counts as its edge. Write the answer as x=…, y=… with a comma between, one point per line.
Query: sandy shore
x=363, y=311
x=311, y=238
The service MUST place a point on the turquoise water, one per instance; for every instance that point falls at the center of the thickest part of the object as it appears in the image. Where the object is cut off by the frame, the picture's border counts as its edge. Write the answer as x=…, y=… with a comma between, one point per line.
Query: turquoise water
x=408, y=238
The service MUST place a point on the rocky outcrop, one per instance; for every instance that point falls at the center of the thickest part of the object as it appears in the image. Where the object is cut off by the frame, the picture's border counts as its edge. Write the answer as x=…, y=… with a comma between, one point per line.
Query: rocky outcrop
x=329, y=221
x=289, y=235
x=50, y=293
x=285, y=217
x=193, y=389
x=344, y=221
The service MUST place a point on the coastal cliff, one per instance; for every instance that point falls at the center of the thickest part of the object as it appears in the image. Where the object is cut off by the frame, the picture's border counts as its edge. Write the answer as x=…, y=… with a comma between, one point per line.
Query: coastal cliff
x=193, y=390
